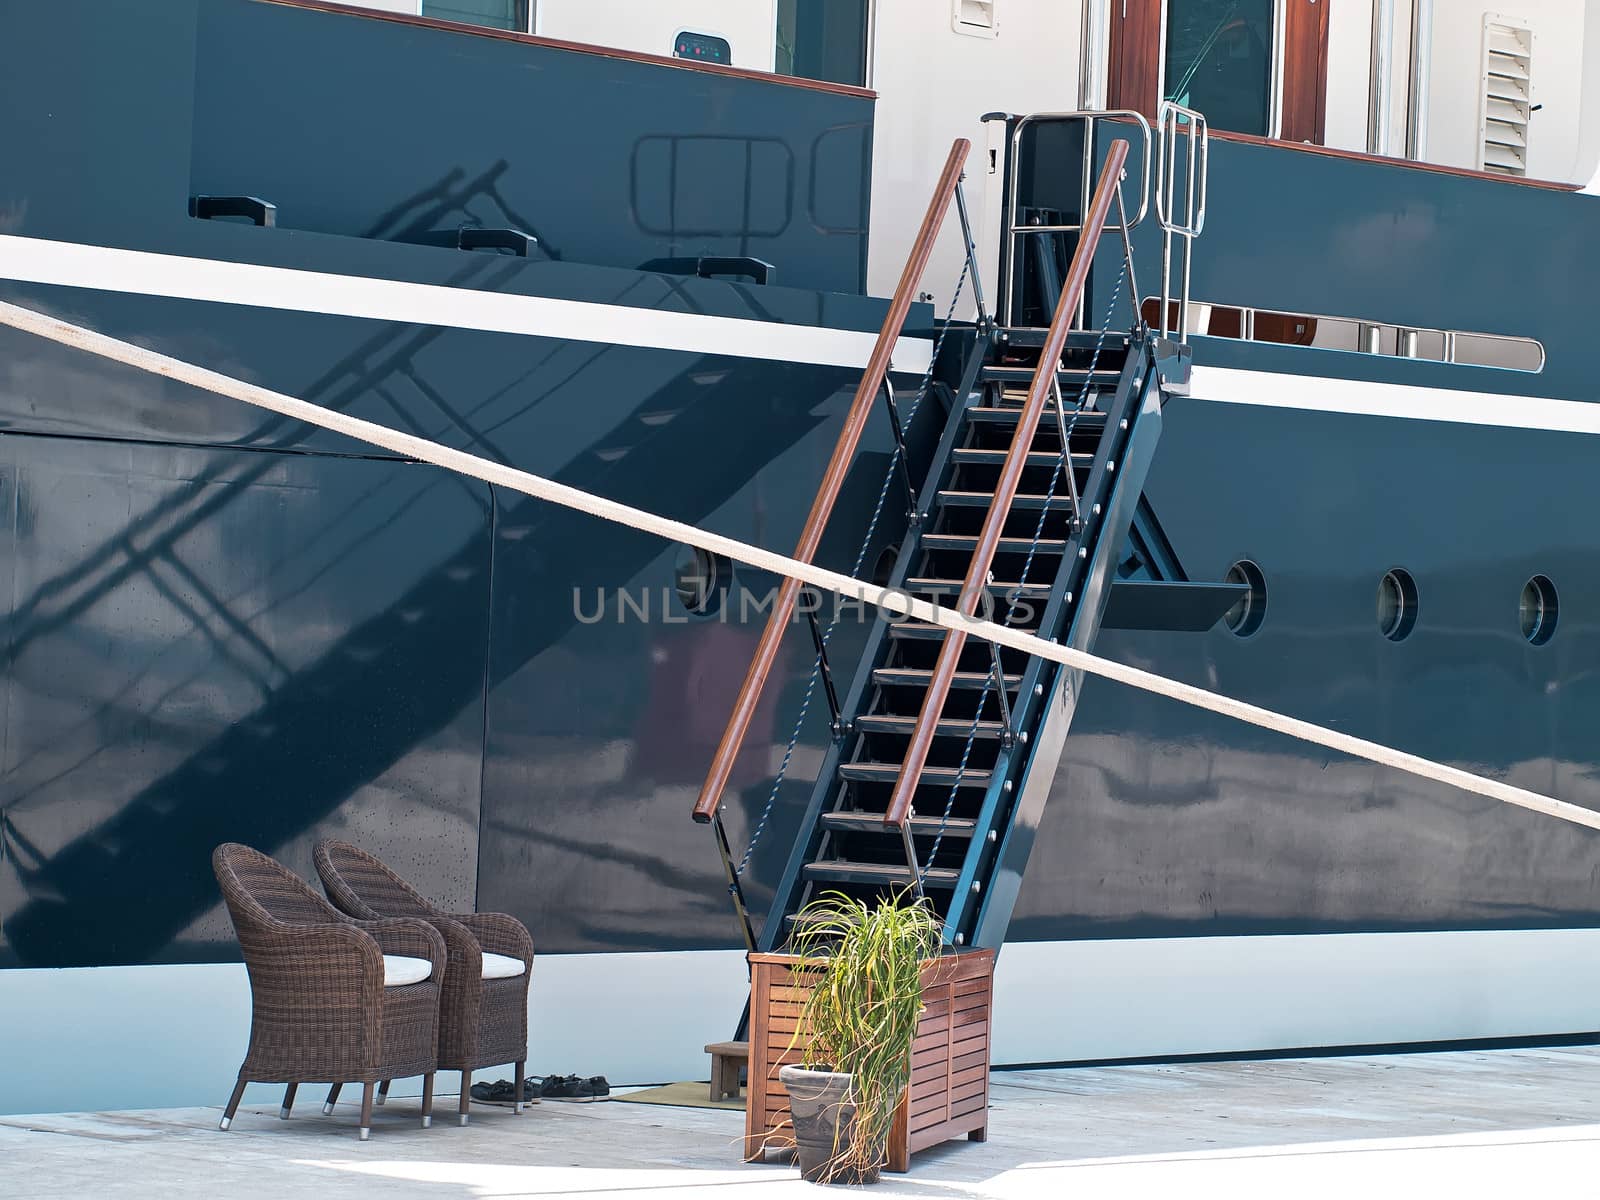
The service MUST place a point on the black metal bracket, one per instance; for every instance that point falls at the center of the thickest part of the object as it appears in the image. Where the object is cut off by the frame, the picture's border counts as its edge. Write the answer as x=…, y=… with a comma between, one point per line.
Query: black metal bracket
x=209, y=208
x=754, y=269
x=519, y=243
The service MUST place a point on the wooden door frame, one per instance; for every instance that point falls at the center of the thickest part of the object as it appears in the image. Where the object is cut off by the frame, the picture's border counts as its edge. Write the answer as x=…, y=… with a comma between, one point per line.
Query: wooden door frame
x=1134, y=67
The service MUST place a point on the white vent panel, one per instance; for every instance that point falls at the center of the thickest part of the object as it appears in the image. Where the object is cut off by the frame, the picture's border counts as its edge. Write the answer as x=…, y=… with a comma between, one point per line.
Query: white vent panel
x=1506, y=101
x=976, y=18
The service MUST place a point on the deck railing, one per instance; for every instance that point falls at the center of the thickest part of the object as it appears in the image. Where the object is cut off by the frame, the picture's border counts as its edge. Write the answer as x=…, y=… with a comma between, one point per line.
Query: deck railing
x=755, y=680
x=977, y=579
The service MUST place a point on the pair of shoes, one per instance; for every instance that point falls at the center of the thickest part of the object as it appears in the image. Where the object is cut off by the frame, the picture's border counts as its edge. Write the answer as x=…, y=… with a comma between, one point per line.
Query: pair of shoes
x=574, y=1088
x=503, y=1091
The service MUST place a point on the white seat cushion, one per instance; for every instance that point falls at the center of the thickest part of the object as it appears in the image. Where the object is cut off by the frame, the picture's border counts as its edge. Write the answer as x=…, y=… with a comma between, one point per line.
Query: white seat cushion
x=499, y=966
x=399, y=970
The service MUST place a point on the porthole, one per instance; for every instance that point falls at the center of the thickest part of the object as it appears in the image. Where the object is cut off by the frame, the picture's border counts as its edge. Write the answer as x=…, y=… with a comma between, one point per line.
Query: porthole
x=1539, y=609
x=1397, y=604
x=1250, y=609
x=701, y=580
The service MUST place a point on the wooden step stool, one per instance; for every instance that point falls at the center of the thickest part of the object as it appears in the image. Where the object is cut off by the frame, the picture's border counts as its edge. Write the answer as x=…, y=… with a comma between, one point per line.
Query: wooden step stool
x=727, y=1060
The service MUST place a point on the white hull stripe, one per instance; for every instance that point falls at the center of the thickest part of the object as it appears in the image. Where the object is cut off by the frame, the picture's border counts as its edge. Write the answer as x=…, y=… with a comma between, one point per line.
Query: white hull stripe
x=138, y=272
x=104, y=1037
x=1228, y=385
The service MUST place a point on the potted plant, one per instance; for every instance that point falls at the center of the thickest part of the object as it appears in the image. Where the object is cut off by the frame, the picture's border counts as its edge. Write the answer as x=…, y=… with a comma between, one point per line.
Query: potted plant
x=856, y=1028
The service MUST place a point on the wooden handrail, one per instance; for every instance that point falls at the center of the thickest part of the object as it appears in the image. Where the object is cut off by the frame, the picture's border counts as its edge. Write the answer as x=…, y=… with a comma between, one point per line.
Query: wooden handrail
x=1094, y=224
x=844, y=452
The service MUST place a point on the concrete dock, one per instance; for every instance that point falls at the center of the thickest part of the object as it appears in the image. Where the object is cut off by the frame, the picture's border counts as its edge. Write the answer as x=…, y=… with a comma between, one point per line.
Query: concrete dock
x=1500, y=1123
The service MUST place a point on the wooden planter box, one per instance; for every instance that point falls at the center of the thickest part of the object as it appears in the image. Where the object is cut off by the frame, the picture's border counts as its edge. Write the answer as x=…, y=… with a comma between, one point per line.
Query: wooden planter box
x=949, y=1091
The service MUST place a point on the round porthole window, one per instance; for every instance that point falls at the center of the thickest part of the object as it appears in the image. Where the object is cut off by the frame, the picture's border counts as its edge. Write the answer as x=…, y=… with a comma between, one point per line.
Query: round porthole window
x=1397, y=604
x=1250, y=609
x=701, y=580
x=1538, y=610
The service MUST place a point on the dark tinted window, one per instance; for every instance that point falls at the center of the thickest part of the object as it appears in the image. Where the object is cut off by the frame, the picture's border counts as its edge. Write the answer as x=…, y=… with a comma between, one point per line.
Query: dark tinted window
x=496, y=14
x=823, y=39
x=1219, y=61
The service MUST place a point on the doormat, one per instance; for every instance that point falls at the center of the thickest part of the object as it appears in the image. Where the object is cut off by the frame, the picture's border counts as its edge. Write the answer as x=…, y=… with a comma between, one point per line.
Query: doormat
x=681, y=1095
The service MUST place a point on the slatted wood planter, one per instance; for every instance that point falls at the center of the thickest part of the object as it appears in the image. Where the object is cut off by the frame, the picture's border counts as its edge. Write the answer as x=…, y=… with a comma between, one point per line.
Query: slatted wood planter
x=949, y=1091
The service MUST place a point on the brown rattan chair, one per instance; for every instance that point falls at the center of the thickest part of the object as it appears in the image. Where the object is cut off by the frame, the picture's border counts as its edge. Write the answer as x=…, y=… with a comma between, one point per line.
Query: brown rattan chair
x=320, y=1010
x=483, y=1015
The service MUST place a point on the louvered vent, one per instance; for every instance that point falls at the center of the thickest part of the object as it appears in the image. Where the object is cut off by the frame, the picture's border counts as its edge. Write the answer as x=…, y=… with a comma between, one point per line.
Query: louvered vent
x=1507, y=92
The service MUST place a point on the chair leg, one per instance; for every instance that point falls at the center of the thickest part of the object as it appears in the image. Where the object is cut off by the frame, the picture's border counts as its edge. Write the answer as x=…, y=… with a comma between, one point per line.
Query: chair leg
x=427, y=1099
x=383, y=1092
x=366, y=1110
x=288, y=1101
x=516, y=1103
x=466, y=1096
x=333, y=1096
x=233, y=1105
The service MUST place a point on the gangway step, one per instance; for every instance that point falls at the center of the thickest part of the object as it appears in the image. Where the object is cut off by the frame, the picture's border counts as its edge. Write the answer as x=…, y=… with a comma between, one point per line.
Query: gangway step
x=1087, y=421
x=888, y=772
x=1007, y=545
x=910, y=677
x=871, y=822
x=954, y=727
x=853, y=872
x=1028, y=503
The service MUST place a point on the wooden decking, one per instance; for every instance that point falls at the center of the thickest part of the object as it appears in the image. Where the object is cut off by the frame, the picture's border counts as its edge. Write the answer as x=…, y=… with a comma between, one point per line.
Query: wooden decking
x=1461, y=1125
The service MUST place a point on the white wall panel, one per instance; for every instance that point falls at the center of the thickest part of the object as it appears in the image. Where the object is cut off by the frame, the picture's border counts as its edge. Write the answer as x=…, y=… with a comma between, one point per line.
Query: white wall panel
x=1349, y=73
x=933, y=84
x=1557, y=78
x=649, y=26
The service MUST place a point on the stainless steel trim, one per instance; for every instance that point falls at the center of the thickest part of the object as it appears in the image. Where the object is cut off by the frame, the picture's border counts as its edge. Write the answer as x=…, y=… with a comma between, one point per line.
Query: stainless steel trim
x=1011, y=231
x=1421, y=78
x=1380, y=92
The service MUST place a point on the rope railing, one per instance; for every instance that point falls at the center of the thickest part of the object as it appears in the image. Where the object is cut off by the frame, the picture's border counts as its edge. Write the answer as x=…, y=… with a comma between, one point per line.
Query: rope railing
x=975, y=586
x=844, y=452
x=894, y=602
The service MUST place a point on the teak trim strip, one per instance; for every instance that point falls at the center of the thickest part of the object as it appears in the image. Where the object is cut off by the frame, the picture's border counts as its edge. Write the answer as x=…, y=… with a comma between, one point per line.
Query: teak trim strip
x=1411, y=164
x=844, y=452
x=528, y=39
x=1044, y=378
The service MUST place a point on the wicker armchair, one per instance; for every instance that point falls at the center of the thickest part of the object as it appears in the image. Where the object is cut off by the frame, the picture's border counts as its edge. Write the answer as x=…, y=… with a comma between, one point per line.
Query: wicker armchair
x=320, y=1008
x=483, y=1015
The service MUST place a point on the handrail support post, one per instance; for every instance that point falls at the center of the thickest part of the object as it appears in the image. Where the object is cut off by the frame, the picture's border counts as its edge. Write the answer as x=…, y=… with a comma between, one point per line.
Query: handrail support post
x=836, y=723
x=735, y=888
x=1065, y=431
x=913, y=517
x=1008, y=735
x=1127, y=253
x=911, y=859
x=985, y=321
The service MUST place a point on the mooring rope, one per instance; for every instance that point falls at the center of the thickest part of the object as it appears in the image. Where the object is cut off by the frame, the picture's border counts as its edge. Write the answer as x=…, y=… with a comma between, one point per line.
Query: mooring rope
x=897, y=603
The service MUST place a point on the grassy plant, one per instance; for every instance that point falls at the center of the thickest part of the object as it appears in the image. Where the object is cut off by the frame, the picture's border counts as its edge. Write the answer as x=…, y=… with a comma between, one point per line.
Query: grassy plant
x=861, y=1017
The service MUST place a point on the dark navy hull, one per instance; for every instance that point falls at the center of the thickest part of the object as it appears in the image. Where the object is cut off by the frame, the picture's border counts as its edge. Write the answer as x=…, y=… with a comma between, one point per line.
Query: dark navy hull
x=222, y=626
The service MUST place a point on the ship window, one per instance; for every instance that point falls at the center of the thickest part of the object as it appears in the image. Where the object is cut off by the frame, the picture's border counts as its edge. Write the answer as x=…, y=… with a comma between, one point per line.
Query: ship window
x=1250, y=610
x=1538, y=610
x=495, y=14
x=1457, y=347
x=1397, y=604
x=824, y=41
x=1219, y=61
x=701, y=580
